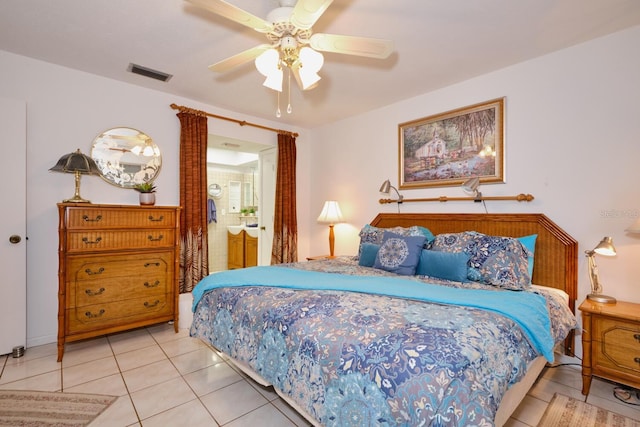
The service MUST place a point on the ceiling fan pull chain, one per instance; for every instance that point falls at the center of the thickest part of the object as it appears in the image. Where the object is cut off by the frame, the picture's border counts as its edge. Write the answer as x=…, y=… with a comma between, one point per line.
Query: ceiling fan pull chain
x=289, y=94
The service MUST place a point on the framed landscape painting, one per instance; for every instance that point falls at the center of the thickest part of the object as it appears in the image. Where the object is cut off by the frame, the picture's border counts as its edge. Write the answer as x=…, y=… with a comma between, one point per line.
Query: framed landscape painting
x=449, y=148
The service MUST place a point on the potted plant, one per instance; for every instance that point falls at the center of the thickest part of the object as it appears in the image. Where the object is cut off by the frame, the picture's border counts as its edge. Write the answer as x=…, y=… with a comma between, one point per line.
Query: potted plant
x=147, y=192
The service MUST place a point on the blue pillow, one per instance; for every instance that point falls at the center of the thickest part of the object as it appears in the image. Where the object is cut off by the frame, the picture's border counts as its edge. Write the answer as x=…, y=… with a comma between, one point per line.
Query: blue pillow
x=368, y=253
x=444, y=265
x=529, y=242
x=427, y=233
x=399, y=254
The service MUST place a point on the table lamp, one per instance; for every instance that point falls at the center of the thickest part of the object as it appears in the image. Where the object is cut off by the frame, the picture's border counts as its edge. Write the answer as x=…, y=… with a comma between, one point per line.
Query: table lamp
x=331, y=215
x=78, y=164
x=606, y=248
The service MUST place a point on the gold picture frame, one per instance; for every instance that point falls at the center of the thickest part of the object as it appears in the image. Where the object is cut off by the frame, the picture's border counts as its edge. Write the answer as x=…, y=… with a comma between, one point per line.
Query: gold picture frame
x=447, y=149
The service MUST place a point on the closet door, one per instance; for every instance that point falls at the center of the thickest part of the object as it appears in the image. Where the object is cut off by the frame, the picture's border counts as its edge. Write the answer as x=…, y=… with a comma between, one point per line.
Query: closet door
x=13, y=256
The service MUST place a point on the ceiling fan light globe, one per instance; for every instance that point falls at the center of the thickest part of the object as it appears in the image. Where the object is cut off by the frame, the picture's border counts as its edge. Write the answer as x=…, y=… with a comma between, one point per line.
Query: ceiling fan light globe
x=267, y=62
x=311, y=59
x=308, y=79
x=274, y=80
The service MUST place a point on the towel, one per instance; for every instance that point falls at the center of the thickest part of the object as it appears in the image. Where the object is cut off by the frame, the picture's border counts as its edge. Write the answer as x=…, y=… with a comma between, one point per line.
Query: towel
x=211, y=211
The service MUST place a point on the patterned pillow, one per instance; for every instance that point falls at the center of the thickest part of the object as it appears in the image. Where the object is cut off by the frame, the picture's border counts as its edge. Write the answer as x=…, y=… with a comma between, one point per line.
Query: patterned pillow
x=371, y=234
x=495, y=260
x=399, y=254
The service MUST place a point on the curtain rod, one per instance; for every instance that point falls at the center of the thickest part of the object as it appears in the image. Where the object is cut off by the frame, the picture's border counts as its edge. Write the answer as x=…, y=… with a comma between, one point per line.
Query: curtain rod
x=184, y=109
x=520, y=198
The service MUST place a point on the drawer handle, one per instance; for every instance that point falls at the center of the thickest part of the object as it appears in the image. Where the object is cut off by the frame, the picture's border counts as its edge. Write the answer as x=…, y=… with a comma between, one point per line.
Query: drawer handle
x=637, y=337
x=155, y=239
x=637, y=360
x=93, y=294
x=90, y=272
x=151, y=305
x=86, y=218
x=151, y=264
x=91, y=242
x=151, y=218
x=149, y=285
x=90, y=315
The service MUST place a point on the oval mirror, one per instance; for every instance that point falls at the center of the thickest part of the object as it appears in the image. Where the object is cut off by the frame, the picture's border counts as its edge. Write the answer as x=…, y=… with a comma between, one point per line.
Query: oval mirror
x=215, y=191
x=126, y=157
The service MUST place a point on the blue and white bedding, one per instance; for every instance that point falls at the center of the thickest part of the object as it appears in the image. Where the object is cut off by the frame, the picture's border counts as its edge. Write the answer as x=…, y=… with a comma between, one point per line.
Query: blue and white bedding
x=358, y=346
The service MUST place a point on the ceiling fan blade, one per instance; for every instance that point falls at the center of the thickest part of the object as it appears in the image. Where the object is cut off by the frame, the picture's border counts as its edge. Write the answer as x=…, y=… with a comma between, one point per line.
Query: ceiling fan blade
x=361, y=46
x=307, y=12
x=234, y=13
x=239, y=59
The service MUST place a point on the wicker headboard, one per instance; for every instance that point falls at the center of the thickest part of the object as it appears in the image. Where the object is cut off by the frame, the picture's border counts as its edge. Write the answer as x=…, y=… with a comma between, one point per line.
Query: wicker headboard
x=556, y=254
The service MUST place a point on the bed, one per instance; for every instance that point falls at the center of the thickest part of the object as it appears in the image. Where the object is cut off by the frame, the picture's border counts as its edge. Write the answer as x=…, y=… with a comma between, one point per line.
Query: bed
x=364, y=340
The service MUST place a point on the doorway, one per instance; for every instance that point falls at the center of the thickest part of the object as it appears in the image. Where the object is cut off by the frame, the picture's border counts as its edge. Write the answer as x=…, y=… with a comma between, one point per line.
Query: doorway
x=234, y=176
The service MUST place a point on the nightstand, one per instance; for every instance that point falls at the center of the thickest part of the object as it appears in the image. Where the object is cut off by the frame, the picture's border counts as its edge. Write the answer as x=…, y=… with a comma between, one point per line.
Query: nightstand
x=317, y=257
x=610, y=343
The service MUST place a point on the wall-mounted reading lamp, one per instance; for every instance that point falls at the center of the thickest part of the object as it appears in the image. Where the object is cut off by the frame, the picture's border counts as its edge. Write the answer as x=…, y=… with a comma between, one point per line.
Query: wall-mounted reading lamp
x=606, y=248
x=386, y=187
x=470, y=186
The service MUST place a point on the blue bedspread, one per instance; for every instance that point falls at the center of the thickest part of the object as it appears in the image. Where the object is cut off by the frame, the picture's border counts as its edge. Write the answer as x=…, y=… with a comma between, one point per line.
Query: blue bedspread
x=528, y=310
x=364, y=357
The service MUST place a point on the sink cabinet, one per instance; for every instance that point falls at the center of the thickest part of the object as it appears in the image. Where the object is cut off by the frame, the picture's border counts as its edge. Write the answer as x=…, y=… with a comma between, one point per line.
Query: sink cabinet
x=242, y=250
x=250, y=251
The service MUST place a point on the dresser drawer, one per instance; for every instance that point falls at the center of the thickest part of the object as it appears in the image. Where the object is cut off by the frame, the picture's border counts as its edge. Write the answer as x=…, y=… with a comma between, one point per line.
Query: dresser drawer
x=105, y=240
x=89, y=292
x=98, y=316
x=132, y=217
x=103, y=267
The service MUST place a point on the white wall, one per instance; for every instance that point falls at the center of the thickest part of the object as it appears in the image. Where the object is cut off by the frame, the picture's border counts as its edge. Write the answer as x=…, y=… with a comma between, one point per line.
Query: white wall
x=572, y=140
x=66, y=110
x=569, y=116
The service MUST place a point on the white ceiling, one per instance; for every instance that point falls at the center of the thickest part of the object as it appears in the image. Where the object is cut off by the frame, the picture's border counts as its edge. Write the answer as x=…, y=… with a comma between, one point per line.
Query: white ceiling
x=437, y=43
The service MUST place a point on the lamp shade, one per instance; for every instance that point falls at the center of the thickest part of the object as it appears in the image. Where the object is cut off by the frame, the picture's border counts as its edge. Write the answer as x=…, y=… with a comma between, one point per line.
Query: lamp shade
x=331, y=213
x=634, y=228
x=471, y=185
x=76, y=162
x=605, y=247
x=385, y=187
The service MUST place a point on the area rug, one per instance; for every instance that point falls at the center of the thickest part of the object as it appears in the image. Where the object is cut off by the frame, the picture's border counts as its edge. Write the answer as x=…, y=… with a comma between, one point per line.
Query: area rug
x=564, y=411
x=49, y=409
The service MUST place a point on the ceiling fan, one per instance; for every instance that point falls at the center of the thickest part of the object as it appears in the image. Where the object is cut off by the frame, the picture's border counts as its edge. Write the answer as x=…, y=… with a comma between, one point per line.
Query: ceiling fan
x=292, y=44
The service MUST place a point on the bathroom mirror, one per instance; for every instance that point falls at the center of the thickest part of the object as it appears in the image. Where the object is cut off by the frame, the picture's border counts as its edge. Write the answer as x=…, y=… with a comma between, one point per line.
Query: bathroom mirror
x=235, y=190
x=126, y=157
x=247, y=195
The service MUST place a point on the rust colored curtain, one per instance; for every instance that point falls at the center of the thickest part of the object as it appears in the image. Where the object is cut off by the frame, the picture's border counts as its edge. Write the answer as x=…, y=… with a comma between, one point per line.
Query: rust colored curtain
x=285, y=227
x=194, y=260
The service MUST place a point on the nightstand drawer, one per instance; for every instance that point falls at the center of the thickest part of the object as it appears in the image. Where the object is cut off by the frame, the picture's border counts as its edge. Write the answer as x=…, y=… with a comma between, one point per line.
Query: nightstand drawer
x=622, y=359
x=616, y=331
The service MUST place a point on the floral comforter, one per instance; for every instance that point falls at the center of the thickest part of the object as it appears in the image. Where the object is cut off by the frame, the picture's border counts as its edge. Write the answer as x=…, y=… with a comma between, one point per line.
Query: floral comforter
x=359, y=359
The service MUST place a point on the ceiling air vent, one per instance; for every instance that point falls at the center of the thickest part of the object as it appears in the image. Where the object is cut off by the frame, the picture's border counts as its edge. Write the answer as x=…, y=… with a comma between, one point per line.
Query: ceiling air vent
x=148, y=72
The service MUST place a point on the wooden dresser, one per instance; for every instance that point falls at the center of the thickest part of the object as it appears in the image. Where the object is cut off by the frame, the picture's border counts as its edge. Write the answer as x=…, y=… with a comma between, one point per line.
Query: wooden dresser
x=118, y=269
x=610, y=342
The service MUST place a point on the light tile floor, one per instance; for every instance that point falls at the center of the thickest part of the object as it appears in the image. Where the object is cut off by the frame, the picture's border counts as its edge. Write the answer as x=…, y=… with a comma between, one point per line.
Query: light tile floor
x=163, y=378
